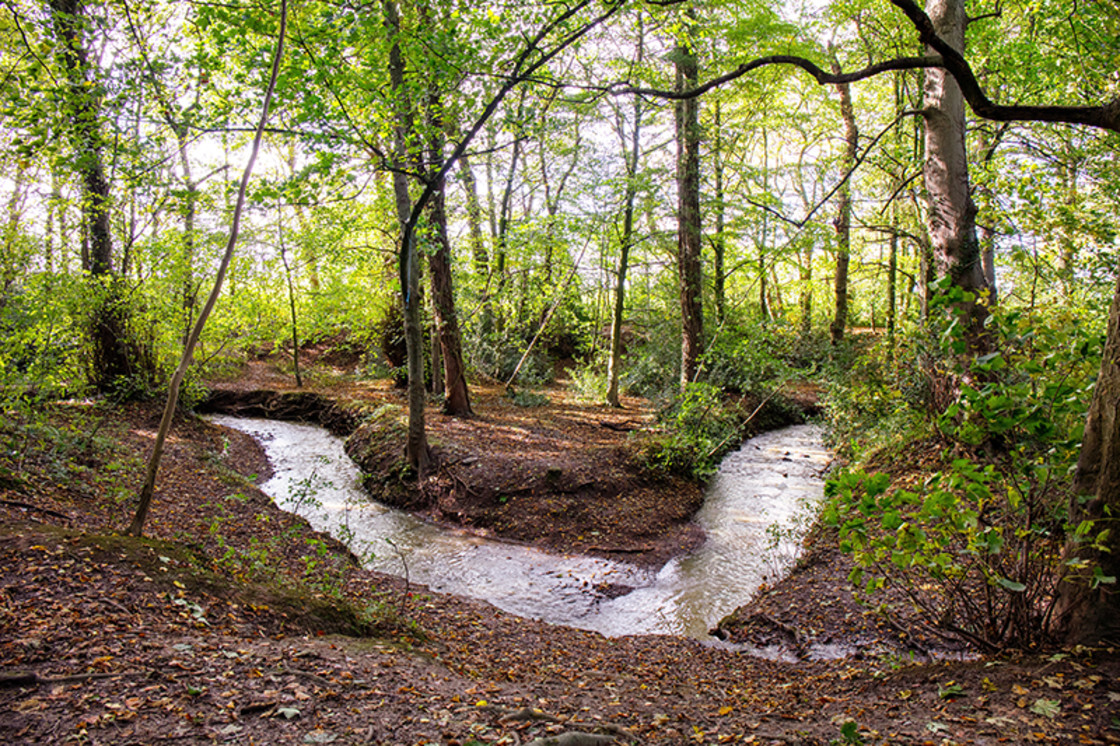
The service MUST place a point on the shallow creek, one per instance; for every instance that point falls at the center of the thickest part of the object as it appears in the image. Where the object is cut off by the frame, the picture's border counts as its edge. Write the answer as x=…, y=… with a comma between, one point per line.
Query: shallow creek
x=754, y=514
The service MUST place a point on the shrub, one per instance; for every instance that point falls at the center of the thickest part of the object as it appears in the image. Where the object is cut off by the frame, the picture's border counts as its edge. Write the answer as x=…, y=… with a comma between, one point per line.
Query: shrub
x=976, y=549
x=698, y=427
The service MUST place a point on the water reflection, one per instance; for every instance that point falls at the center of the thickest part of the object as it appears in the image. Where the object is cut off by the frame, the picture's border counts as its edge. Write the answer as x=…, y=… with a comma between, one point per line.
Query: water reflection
x=754, y=517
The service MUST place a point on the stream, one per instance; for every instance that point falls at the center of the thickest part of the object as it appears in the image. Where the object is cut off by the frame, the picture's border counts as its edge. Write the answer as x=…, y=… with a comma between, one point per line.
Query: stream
x=755, y=513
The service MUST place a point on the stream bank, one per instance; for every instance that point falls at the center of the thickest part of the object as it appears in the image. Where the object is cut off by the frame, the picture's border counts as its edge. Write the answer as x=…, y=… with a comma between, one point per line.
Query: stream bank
x=566, y=477
x=116, y=646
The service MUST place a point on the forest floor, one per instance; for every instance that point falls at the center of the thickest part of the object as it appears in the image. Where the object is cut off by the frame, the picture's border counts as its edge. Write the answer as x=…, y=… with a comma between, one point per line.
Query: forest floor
x=236, y=623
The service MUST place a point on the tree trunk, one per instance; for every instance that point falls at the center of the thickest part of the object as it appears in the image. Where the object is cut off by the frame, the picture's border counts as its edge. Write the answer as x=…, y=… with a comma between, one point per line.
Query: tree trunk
x=457, y=396
x=109, y=319
x=843, y=222
x=614, y=362
x=687, y=117
x=479, y=255
x=719, y=244
x=805, y=300
x=148, y=488
x=449, y=338
x=952, y=213
x=416, y=446
x=1087, y=614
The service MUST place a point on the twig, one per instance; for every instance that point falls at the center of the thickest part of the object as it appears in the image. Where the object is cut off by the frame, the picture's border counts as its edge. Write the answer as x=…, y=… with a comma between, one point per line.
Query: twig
x=325, y=683
x=33, y=679
x=36, y=508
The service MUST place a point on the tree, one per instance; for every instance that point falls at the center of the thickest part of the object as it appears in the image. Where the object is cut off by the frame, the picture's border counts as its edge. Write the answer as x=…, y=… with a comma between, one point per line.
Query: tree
x=136, y=528
x=114, y=357
x=631, y=149
x=952, y=213
x=843, y=222
x=687, y=120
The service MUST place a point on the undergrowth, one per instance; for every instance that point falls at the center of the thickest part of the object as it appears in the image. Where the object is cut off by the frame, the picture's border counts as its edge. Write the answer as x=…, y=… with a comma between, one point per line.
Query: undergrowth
x=976, y=544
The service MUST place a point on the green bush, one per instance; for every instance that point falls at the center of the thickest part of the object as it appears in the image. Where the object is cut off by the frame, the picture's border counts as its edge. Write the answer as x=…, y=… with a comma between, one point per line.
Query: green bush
x=977, y=548
x=698, y=427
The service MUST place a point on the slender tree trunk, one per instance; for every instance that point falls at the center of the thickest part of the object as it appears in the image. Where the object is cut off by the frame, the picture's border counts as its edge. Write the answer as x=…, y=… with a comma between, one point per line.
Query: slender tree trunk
x=505, y=215
x=1067, y=255
x=952, y=213
x=764, y=237
x=892, y=279
x=479, y=254
x=719, y=245
x=416, y=447
x=843, y=221
x=614, y=361
x=294, y=318
x=148, y=489
x=687, y=116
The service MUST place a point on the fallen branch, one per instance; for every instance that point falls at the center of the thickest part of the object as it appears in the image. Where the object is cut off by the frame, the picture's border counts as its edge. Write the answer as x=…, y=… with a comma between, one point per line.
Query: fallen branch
x=36, y=508
x=572, y=738
x=32, y=679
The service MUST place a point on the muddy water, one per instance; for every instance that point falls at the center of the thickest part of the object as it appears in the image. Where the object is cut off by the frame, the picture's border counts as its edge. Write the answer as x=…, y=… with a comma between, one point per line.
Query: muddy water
x=754, y=515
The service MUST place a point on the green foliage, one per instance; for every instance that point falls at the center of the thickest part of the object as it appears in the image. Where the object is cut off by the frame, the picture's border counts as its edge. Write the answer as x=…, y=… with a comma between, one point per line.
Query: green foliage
x=40, y=323
x=878, y=398
x=526, y=398
x=698, y=426
x=975, y=549
x=748, y=359
x=69, y=444
x=589, y=379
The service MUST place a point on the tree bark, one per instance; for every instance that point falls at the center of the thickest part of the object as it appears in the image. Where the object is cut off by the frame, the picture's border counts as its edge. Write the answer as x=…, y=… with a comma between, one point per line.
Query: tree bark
x=844, y=212
x=687, y=119
x=631, y=156
x=416, y=446
x=148, y=488
x=952, y=213
x=112, y=360
x=1086, y=614
x=719, y=243
x=456, y=400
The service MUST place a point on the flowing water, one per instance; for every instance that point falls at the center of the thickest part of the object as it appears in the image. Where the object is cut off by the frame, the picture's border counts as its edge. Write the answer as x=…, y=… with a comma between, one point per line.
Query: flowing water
x=754, y=515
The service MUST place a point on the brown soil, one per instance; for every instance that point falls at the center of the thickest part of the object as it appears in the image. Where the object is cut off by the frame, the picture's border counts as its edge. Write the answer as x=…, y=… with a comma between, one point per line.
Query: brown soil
x=236, y=623
x=564, y=476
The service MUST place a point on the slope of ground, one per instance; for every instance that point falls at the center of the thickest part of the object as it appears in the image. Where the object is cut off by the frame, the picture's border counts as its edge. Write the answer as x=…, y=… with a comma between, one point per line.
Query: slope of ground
x=238, y=624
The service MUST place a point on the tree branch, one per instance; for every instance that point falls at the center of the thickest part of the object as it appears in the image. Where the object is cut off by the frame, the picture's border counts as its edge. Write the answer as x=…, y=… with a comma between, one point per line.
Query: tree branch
x=1106, y=116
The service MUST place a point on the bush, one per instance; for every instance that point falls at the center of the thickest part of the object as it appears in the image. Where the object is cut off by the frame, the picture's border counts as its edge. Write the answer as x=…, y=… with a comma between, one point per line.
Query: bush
x=976, y=549
x=698, y=428
x=747, y=362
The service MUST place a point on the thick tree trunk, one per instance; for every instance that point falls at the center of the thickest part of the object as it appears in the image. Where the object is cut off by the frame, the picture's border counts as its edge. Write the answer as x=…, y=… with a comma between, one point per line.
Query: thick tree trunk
x=1087, y=614
x=687, y=116
x=844, y=213
x=457, y=396
x=952, y=213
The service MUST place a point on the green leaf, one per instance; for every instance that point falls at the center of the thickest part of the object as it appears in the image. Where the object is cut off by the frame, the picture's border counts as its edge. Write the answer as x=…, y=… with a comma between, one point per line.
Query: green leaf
x=1010, y=585
x=1049, y=708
